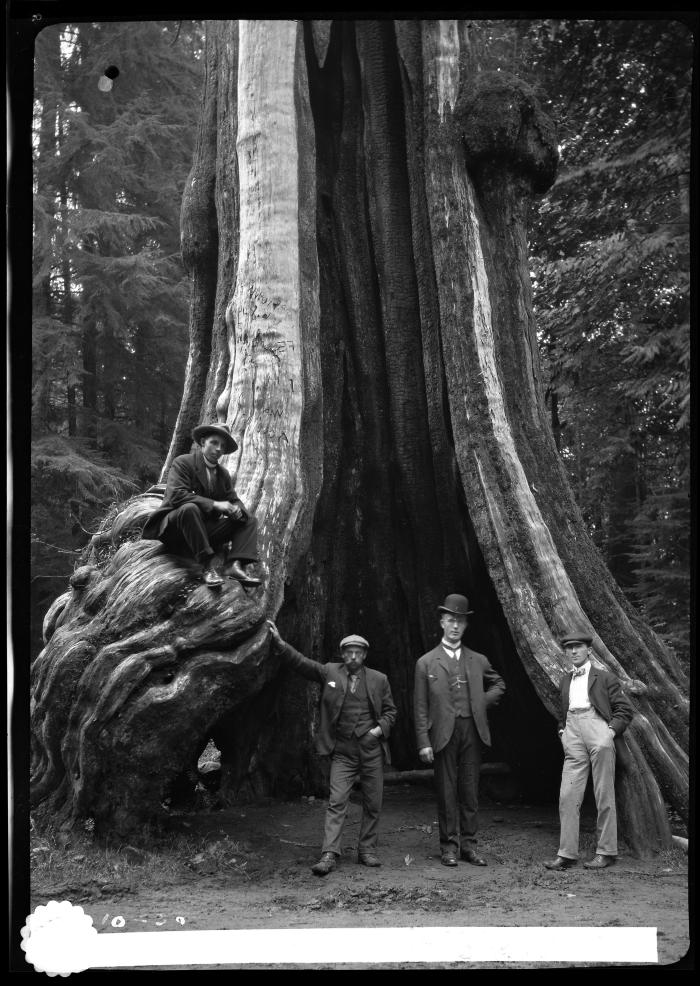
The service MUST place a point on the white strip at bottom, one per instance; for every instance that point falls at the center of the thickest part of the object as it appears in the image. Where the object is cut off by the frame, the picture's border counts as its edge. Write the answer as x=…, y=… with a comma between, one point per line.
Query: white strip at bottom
x=319, y=946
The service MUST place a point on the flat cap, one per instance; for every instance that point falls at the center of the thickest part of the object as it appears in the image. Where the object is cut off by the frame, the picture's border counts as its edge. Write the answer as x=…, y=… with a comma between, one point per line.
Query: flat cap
x=576, y=637
x=353, y=641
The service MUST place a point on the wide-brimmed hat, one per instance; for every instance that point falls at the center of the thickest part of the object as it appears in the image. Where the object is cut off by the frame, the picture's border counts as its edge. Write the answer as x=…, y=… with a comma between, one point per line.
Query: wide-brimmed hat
x=459, y=605
x=353, y=641
x=576, y=636
x=201, y=431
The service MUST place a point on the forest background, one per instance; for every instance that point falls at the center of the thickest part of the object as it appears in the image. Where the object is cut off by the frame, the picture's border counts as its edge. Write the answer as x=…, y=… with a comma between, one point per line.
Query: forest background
x=610, y=267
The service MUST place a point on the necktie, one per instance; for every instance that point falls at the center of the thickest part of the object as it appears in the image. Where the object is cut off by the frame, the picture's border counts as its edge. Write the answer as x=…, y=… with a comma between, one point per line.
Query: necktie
x=210, y=478
x=353, y=683
x=578, y=671
x=453, y=653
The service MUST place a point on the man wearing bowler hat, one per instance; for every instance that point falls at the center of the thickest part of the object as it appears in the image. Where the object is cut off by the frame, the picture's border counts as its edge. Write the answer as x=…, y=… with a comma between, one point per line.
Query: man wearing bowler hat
x=201, y=511
x=594, y=712
x=357, y=712
x=454, y=687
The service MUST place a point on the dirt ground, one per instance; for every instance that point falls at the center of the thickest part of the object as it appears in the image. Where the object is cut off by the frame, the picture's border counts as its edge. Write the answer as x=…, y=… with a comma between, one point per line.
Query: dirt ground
x=268, y=882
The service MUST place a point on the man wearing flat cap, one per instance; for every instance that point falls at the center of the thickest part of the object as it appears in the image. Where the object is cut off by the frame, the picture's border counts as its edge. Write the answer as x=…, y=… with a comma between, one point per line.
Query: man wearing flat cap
x=357, y=712
x=594, y=712
x=454, y=687
x=201, y=511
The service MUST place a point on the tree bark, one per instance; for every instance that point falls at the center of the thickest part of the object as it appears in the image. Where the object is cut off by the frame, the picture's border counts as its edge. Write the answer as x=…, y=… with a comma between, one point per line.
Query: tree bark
x=199, y=243
x=369, y=338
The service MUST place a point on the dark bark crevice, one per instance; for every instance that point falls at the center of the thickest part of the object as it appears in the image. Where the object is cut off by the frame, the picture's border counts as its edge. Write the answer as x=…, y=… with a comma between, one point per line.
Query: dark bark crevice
x=199, y=242
x=408, y=584
x=227, y=218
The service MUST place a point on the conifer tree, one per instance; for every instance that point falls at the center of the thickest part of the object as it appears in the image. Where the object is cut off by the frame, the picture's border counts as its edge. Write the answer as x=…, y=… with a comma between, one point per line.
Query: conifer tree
x=110, y=296
x=610, y=268
x=361, y=190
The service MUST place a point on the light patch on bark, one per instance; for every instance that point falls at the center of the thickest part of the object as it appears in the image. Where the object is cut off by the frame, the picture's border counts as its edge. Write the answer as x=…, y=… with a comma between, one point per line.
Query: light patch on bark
x=265, y=375
x=551, y=572
x=223, y=399
x=531, y=622
x=447, y=64
x=670, y=760
x=321, y=33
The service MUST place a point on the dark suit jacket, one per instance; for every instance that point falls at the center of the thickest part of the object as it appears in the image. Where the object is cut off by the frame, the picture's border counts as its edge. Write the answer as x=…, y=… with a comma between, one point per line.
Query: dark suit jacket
x=607, y=698
x=432, y=704
x=334, y=679
x=187, y=483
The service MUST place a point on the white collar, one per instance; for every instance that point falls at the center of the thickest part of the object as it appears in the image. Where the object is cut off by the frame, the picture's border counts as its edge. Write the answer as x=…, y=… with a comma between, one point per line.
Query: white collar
x=585, y=667
x=450, y=648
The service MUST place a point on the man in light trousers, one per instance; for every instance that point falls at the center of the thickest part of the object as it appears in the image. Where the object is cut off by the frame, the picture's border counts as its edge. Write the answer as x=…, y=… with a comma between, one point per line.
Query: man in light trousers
x=594, y=713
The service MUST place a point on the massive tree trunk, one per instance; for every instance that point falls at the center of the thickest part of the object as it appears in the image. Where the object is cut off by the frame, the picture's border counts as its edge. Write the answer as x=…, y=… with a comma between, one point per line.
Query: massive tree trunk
x=362, y=193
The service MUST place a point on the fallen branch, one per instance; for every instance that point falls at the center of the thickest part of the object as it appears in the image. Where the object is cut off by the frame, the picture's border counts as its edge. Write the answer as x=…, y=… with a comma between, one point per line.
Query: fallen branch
x=426, y=775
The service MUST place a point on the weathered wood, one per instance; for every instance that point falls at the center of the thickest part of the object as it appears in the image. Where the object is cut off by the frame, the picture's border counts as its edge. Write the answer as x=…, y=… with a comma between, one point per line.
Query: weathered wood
x=321, y=34
x=199, y=243
x=274, y=372
x=489, y=148
x=360, y=191
x=226, y=193
x=150, y=657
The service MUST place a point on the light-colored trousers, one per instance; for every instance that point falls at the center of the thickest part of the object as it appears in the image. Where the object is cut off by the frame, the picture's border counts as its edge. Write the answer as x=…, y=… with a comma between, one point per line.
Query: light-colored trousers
x=589, y=745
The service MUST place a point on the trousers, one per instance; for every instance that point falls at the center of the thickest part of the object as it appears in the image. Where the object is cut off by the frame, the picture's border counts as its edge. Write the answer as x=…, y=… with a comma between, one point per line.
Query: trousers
x=589, y=747
x=456, y=772
x=355, y=757
x=189, y=531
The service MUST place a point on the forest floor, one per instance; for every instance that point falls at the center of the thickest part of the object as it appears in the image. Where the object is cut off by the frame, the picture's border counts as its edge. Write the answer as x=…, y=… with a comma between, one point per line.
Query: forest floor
x=248, y=867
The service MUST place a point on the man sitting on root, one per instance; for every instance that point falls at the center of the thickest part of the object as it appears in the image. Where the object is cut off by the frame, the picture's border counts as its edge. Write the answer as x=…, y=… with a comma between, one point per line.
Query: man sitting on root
x=201, y=511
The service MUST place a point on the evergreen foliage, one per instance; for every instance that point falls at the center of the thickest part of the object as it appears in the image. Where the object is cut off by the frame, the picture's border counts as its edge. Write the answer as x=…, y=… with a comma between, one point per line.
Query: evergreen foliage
x=611, y=265
x=110, y=295
x=72, y=487
x=610, y=274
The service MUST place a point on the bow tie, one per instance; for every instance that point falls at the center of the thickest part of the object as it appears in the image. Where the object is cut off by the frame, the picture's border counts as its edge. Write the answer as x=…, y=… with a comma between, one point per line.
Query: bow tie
x=577, y=671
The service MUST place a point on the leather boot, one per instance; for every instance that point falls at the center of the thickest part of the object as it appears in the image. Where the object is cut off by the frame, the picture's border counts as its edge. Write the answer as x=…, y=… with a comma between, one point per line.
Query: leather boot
x=325, y=864
x=236, y=570
x=560, y=863
x=211, y=576
x=600, y=862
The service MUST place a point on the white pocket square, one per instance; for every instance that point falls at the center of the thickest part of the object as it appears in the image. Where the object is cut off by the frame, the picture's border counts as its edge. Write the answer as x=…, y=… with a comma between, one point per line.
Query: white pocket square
x=331, y=684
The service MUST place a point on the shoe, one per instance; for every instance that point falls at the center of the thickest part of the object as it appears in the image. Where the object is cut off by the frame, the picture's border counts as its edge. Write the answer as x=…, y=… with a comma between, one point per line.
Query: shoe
x=560, y=863
x=212, y=578
x=325, y=864
x=469, y=856
x=236, y=571
x=368, y=859
x=599, y=862
x=448, y=859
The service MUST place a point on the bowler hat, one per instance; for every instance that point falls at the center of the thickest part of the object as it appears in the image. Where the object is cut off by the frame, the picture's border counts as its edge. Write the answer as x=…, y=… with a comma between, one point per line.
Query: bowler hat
x=201, y=431
x=576, y=637
x=353, y=641
x=459, y=605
